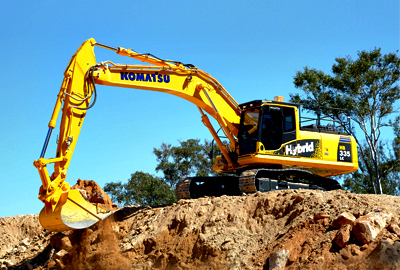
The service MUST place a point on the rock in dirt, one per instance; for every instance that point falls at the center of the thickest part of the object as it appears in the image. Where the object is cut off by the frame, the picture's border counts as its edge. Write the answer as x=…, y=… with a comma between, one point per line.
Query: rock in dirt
x=394, y=228
x=386, y=255
x=367, y=228
x=278, y=260
x=343, y=219
x=343, y=236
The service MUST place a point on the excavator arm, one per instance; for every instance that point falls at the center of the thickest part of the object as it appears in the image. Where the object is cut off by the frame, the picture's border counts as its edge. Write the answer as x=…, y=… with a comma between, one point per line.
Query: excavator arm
x=66, y=209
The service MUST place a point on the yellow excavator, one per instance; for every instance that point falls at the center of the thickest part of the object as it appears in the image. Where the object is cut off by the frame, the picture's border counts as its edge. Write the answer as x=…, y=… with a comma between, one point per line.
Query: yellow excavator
x=270, y=146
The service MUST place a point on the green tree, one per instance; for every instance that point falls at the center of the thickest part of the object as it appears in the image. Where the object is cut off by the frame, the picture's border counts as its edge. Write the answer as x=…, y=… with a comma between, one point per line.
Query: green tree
x=359, y=182
x=189, y=158
x=142, y=188
x=368, y=87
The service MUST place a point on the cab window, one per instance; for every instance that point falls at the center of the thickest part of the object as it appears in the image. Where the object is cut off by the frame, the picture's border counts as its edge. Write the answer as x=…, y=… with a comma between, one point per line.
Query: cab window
x=250, y=124
x=289, y=119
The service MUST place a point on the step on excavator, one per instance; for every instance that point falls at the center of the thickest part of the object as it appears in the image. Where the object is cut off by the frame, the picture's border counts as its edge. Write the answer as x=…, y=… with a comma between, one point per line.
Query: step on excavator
x=266, y=144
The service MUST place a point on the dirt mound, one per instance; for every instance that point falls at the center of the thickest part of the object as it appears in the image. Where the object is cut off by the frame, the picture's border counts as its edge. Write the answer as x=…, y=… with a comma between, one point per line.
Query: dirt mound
x=292, y=229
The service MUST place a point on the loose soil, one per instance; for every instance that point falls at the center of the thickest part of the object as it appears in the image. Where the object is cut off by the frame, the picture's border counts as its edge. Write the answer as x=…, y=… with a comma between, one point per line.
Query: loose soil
x=291, y=229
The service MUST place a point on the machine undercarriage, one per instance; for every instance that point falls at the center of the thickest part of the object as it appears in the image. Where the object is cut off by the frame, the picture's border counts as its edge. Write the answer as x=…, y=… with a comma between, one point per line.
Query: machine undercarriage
x=250, y=181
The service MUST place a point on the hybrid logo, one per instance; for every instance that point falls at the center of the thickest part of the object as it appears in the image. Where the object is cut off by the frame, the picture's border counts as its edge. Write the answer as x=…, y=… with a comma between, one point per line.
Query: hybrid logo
x=293, y=149
x=140, y=77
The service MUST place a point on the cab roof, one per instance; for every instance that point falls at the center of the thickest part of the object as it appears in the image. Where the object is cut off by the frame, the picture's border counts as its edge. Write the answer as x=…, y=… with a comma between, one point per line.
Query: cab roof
x=259, y=102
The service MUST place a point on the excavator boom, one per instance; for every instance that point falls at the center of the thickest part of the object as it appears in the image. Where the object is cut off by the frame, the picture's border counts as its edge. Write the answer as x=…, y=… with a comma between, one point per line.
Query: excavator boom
x=64, y=208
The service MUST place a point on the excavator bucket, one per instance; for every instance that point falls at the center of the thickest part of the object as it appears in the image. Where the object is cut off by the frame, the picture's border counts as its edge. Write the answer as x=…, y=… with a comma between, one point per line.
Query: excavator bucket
x=76, y=213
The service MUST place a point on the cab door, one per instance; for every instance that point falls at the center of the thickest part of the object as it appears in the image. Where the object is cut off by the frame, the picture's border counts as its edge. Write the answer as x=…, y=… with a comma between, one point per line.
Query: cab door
x=278, y=126
x=289, y=124
x=248, y=131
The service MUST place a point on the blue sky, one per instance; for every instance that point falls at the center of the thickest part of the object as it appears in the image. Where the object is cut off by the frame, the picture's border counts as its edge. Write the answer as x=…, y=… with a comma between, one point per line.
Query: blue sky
x=253, y=48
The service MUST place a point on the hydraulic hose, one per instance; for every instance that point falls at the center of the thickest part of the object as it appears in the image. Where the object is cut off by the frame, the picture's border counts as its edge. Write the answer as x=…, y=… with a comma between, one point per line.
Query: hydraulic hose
x=90, y=80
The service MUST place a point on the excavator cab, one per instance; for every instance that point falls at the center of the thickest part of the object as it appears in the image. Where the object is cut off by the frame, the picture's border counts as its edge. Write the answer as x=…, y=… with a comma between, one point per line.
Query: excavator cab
x=274, y=134
x=266, y=126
